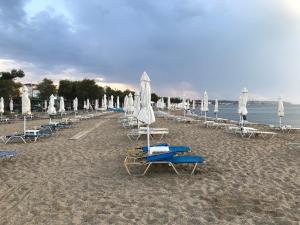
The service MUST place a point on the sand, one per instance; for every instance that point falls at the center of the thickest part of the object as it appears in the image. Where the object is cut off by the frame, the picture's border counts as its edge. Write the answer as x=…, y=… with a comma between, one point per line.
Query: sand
x=62, y=181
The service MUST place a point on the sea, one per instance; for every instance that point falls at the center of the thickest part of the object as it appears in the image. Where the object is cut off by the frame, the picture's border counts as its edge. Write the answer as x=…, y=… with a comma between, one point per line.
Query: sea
x=263, y=114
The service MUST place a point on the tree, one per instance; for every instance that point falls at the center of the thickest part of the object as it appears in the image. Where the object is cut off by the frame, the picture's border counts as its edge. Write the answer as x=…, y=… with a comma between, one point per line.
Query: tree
x=12, y=75
x=154, y=97
x=46, y=88
x=8, y=87
x=67, y=89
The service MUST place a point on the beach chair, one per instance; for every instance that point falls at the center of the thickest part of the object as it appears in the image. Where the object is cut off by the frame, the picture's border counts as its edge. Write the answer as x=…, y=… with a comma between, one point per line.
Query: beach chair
x=170, y=158
x=10, y=155
x=14, y=137
x=142, y=150
x=135, y=134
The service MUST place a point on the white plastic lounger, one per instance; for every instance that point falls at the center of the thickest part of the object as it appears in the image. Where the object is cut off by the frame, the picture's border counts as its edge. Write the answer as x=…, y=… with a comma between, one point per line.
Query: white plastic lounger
x=135, y=134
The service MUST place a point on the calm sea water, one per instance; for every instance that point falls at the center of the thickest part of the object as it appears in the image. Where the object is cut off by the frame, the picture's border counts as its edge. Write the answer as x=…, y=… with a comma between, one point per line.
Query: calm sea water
x=260, y=114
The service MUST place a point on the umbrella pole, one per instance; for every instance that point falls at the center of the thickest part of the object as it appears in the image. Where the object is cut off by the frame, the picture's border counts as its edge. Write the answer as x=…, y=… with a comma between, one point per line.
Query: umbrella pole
x=0, y=116
x=205, y=116
x=280, y=121
x=148, y=137
x=24, y=124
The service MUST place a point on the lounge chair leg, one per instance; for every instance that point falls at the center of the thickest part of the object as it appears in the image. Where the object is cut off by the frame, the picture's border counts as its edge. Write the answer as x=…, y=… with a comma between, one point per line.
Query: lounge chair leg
x=184, y=174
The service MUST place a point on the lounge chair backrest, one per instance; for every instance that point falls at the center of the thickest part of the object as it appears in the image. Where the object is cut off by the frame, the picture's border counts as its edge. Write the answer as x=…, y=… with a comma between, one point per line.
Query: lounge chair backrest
x=160, y=157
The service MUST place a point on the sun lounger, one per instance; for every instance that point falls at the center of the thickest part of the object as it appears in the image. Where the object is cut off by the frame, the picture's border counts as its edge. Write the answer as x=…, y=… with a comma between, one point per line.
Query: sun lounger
x=8, y=154
x=169, y=158
x=140, y=151
x=135, y=134
x=249, y=132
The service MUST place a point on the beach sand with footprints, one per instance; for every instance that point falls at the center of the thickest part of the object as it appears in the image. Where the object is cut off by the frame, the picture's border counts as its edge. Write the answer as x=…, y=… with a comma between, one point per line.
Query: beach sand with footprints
x=83, y=181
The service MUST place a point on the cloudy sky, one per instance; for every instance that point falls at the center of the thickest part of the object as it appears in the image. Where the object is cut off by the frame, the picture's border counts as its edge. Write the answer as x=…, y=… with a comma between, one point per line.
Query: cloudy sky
x=186, y=46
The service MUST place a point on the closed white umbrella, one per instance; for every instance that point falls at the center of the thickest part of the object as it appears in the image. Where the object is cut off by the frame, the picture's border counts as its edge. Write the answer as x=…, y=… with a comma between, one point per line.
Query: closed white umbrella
x=125, y=106
x=130, y=104
x=280, y=111
x=216, y=110
x=11, y=105
x=45, y=105
x=87, y=104
x=194, y=104
x=205, y=103
x=61, y=106
x=184, y=105
x=118, y=102
x=96, y=104
x=137, y=104
x=1, y=107
x=169, y=103
x=51, y=109
x=84, y=104
x=111, y=102
x=75, y=105
x=146, y=114
x=202, y=106
x=26, y=105
x=187, y=104
x=104, y=102
x=243, y=105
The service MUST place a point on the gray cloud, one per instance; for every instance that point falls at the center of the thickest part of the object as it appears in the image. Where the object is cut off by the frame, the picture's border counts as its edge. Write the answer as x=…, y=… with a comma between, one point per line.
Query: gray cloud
x=220, y=46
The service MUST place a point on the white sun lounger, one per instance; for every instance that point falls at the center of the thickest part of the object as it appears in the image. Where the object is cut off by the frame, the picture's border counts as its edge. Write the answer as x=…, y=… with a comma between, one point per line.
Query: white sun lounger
x=135, y=134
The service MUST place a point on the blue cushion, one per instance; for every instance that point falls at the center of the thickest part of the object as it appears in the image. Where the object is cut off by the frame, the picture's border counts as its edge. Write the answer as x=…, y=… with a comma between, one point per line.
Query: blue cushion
x=187, y=159
x=178, y=148
x=160, y=157
x=4, y=154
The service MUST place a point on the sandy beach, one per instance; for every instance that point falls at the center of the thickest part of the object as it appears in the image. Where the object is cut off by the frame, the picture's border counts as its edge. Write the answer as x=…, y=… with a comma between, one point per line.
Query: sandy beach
x=62, y=181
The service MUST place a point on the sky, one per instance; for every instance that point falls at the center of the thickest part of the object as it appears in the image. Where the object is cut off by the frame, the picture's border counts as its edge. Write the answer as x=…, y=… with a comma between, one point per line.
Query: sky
x=185, y=46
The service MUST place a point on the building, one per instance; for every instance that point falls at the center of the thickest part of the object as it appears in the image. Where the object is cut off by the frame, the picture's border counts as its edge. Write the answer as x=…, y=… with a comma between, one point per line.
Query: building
x=32, y=90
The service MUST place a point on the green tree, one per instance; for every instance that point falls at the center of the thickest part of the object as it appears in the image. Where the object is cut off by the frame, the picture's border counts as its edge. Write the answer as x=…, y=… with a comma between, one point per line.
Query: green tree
x=67, y=89
x=9, y=88
x=46, y=88
x=154, y=97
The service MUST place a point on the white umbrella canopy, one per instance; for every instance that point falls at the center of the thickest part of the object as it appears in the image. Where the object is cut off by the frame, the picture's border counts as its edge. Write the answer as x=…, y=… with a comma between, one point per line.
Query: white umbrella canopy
x=244, y=100
x=96, y=104
x=146, y=114
x=1, y=107
x=51, y=109
x=125, y=106
x=243, y=105
x=216, y=110
x=118, y=102
x=205, y=103
x=111, y=102
x=84, y=104
x=130, y=104
x=26, y=104
x=61, y=105
x=75, y=104
x=187, y=104
x=169, y=103
x=280, y=111
x=11, y=105
x=87, y=104
x=137, y=104
x=104, y=102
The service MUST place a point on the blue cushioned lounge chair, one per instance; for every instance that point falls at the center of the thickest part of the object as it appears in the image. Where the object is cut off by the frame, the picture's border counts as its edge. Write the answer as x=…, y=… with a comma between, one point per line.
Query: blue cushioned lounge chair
x=169, y=158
